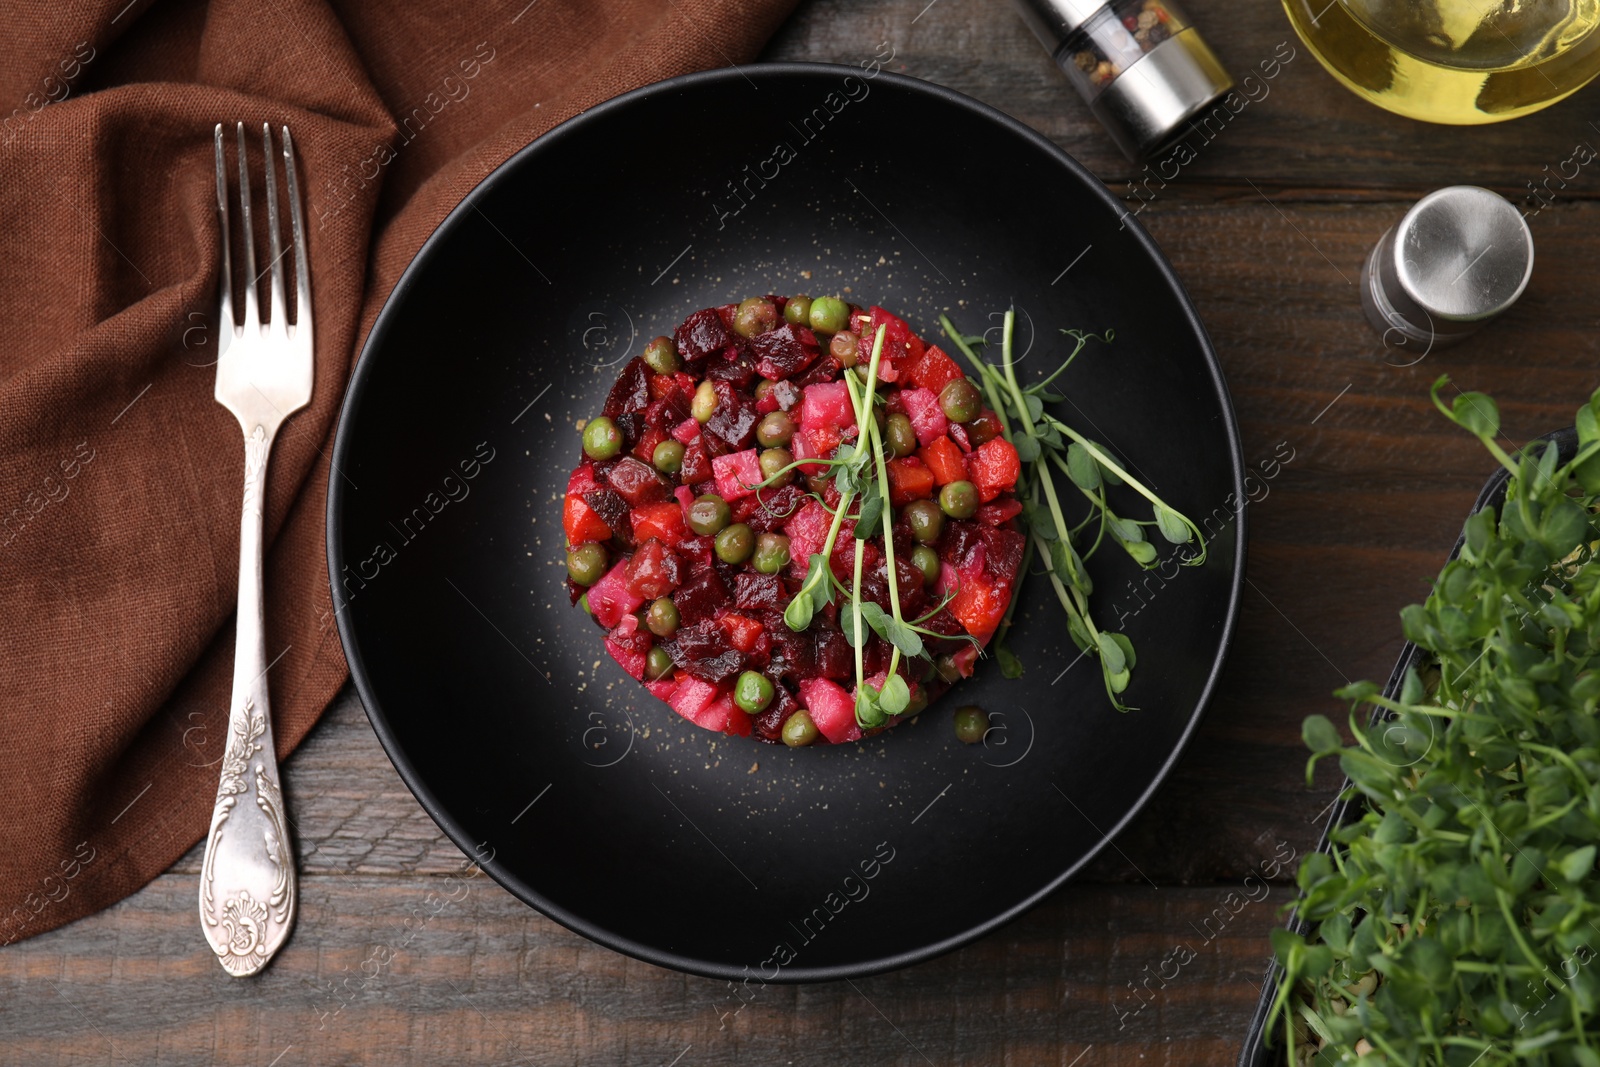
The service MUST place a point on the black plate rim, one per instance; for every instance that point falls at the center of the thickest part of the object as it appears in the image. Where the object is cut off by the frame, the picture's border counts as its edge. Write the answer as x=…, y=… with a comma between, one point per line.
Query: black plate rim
x=337, y=498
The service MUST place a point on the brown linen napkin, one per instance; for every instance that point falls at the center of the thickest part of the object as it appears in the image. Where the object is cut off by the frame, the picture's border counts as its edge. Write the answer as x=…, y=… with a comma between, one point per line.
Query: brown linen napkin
x=120, y=476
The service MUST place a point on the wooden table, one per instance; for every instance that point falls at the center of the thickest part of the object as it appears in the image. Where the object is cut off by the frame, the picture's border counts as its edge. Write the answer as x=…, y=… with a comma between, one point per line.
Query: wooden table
x=1268, y=227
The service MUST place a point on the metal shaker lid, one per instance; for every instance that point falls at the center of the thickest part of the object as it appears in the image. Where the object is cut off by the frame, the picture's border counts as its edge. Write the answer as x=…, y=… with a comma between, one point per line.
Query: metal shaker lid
x=1053, y=21
x=1148, y=107
x=1463, y=254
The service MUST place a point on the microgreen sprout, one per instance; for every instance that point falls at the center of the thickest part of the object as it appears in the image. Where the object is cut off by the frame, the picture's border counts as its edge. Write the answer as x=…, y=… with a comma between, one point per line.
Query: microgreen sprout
x=1043, y=441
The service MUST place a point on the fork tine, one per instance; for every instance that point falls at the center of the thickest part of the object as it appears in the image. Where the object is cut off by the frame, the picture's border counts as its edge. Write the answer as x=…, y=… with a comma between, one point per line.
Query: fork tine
x=297, y=220
x=252, y=313
x=274, y=241
x=225, y=316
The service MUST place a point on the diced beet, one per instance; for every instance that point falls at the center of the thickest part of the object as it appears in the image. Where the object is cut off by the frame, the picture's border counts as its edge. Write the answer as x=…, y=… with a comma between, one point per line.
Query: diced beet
x=631, y=425
x=787, y=394
x=733, y=425
x=702, y=334
x=613, y=511
x=1003, y=552
x=696, y=462
x=832, y=709
x=825, y=369
x=736, y=473
x=702, y=650
x=628, y=646
x=653, y=571
x=735, y=365
x=958, y=434
x=784, y=352
x=795, y=651
x=692, y=697
x=669, y=410
x=927, y=417
x=637, y=482
x=769, y=724
x=774, y=507
x=807, y=530
x=961, y=538
x=913, y=594
x=663, y=689
x=832, y=653
x=966, y=658
x=646, y=448
x=724, y=716
x=752, y=590
x=700, y=595
x=609, y=599
x=631, y=391
x=686, y=431
x=827, y=406
x=1000, y=512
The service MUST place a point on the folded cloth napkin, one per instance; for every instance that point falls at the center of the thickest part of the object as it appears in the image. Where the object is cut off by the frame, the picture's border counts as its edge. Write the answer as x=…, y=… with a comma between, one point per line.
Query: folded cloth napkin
x=120, y=476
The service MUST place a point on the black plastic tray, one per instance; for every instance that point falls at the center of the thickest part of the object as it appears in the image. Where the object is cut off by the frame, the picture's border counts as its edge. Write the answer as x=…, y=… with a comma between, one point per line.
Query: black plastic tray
x=1256, y=1051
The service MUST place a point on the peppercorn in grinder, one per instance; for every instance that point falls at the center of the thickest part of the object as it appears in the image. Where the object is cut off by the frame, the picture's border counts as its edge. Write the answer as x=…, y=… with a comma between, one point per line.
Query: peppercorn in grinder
x=1144, y=70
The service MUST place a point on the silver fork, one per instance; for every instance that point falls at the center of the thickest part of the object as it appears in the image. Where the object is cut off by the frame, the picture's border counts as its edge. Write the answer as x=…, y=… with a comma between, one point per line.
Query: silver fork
x=247, y=886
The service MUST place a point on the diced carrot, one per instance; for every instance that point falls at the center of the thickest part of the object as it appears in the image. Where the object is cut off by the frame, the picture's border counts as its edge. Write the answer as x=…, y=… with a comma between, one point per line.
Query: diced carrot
x=909, y=480
x=934, y=370
x=945, y=460
x=742, y=633
x=663, y=521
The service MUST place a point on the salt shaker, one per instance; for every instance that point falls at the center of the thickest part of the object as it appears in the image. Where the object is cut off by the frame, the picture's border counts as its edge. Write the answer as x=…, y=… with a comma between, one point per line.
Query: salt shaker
x=1459, y=257
x=1144, y=70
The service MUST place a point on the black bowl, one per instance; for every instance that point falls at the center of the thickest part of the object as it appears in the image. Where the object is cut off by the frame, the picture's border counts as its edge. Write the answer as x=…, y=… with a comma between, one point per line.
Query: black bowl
x=583, y=795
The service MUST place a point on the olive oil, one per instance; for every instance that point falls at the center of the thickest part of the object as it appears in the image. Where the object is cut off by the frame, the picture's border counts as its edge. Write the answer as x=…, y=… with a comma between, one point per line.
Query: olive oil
x=1460, y=62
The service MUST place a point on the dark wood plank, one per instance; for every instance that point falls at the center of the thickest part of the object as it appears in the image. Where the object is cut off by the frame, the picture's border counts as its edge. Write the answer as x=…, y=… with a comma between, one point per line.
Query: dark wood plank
x=1303, y=130
x=443, y=968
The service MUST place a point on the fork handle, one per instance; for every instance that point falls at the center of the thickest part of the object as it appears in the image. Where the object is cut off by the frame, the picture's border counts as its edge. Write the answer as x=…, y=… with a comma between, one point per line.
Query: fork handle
x=247, y=885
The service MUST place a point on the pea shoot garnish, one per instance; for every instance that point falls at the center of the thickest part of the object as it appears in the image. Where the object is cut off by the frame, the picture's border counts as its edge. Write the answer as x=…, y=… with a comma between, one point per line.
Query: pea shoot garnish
x=1455, y=919
x=1043, y=442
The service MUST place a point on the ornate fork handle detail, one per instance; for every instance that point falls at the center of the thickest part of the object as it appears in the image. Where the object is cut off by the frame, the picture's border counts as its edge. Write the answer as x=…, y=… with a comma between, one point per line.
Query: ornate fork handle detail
x=247, y=886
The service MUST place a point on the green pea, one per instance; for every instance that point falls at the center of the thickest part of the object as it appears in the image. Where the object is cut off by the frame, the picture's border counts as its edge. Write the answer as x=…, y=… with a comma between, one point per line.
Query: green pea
x=752, y=692
x=583, y=602
x=657, y=665
x=772, y=553
x=925, y=519
x=764, y=389
x=799, y=731
x=926, y=560
x=755, y=315
x=708, y=514
x=845, y=347
x=774, y=460
x=960, y=400
x=668, y=457
x=586, y=563
x=735, y=543
x=775, y=430
x=945, y=667
x=601, y=438
x=661, y=356
x=959, y=500
x=972, y=722
x=901, y=436
x=704, y=404
x=798, y=310
x=661, y=618
x=829, y=314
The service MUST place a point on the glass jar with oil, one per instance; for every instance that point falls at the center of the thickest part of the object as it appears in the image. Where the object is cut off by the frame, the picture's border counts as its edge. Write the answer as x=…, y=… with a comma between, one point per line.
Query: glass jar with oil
x=1454, y=61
